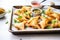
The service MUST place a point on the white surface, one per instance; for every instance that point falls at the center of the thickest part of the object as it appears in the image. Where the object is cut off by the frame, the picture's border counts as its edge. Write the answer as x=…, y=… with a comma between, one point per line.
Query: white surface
x=6, y=35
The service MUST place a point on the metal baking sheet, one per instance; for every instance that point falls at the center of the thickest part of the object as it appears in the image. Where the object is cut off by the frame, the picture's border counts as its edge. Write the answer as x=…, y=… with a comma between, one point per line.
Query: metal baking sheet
x=32, y=31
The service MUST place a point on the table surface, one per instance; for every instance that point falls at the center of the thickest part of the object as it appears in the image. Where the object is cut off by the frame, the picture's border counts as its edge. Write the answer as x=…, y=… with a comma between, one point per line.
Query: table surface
x=6, y=35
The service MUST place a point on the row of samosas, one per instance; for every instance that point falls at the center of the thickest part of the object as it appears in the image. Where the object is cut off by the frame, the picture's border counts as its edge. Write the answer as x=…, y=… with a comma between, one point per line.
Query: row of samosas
x=48, y=20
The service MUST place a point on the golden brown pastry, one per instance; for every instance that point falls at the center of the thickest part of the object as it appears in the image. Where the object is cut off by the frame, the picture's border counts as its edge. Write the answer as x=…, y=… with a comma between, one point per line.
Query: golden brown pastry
x=19, y=26
x=2, y=10
x=56, y=15
x=44, y=21
x=34, y=22
x=49, y=11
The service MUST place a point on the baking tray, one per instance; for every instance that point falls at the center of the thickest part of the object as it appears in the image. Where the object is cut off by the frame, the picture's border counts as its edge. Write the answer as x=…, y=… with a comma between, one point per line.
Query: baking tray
x=34, y=31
